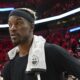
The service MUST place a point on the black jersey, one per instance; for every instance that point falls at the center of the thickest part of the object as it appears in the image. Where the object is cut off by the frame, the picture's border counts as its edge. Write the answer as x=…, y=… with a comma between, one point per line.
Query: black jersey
x=57, y=60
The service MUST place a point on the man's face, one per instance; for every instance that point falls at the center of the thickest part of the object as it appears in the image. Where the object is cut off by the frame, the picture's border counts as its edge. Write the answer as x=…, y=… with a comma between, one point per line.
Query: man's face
x=20, y=29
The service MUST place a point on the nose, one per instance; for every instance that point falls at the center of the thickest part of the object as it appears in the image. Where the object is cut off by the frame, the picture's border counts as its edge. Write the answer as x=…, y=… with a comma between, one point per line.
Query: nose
x=12, y=28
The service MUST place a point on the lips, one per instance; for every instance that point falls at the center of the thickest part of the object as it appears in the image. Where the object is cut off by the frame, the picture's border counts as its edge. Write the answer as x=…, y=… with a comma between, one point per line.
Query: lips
x=13, y=35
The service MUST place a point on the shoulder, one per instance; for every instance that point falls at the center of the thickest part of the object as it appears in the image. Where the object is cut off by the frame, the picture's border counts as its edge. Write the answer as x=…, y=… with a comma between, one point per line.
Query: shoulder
x=53, y=47
x=6, y=69
x=54, y=50
x=12, y=52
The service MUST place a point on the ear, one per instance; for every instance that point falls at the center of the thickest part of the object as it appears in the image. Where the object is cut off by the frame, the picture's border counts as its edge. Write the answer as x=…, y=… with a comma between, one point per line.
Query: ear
x=32, y=27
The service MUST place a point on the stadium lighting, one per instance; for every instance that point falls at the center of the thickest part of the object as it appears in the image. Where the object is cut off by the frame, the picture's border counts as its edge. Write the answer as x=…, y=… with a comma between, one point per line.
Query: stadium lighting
x=4, y=25
x=6, y=9
x=53, y=18
x=74, y=29
x=58, y=17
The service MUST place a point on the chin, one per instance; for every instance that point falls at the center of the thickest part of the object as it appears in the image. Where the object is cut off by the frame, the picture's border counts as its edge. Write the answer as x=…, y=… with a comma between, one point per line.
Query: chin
x=15, y=43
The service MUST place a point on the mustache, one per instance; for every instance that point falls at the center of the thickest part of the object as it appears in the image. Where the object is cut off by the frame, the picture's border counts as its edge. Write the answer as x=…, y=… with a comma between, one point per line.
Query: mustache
x=14, y=34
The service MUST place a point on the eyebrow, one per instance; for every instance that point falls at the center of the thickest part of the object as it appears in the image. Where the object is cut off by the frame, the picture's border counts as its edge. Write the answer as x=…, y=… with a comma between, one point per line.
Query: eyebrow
x=18, y=18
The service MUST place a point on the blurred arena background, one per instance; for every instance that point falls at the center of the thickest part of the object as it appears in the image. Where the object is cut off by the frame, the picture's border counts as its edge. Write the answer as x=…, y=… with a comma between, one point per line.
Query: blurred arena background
x=64, y=31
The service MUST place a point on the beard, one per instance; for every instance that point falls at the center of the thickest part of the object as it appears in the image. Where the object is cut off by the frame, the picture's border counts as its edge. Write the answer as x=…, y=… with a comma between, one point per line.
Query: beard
x=20, y=40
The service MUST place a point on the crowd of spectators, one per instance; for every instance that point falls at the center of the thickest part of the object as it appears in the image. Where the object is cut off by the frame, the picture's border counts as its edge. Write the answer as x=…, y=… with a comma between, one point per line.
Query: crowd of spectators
x=5, y=46
x=67, y=40
x=42, y=7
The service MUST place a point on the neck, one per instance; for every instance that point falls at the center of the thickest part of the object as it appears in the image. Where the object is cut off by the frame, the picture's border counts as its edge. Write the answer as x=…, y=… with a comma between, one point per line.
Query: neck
x=25, y=47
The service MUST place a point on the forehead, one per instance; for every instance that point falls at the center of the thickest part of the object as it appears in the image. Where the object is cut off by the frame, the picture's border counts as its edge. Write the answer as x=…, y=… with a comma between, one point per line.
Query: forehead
x=15, y=18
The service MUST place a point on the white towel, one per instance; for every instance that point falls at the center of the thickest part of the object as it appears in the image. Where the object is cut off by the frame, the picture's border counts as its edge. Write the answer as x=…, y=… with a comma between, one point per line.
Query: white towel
x=36, y=58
